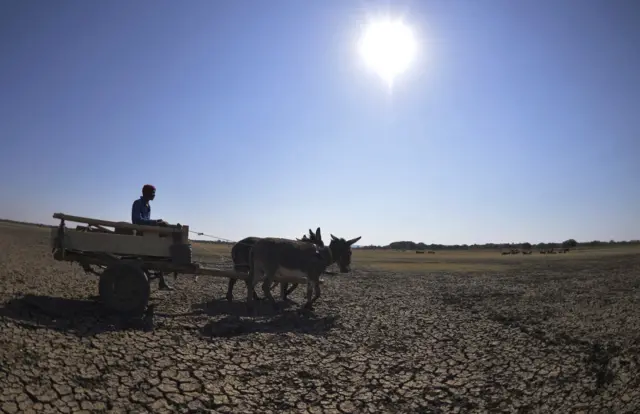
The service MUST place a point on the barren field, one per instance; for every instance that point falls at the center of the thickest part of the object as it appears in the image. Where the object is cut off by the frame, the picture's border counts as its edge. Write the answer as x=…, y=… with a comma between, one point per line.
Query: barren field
x=451, y=332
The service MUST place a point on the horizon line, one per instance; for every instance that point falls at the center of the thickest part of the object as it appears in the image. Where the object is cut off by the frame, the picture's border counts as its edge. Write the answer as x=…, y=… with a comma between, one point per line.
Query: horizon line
x=497, y=244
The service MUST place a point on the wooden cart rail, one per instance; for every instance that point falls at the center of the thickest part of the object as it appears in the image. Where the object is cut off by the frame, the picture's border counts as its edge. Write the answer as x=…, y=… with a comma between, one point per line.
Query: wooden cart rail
x=171, y=228
x=170, y=242
x=151, y=264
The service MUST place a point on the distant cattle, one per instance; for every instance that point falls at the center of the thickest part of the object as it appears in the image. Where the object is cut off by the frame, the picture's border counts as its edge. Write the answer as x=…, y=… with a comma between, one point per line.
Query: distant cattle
x=431, y=252
x=419, y=251
x=553, y=251
x=514, y=251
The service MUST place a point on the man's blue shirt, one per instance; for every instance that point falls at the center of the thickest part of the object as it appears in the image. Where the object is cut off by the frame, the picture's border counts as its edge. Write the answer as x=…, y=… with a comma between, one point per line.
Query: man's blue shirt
x=141, y=212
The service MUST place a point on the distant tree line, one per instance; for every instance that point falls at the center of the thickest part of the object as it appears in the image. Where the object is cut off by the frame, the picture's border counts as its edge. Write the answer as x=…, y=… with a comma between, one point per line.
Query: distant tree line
x=213, y=241
x=570, y=243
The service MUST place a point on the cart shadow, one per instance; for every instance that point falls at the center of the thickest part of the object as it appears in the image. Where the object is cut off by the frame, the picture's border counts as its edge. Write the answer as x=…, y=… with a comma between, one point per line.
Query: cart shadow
x=288, y=322
x=81, y=317
x=238, y=321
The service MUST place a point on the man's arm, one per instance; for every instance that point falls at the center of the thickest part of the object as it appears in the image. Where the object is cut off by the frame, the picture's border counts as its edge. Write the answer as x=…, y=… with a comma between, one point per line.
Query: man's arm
x=136, y=215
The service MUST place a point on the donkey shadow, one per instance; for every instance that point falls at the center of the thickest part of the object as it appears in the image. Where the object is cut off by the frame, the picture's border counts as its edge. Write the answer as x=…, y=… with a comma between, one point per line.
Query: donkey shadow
x=81, y=317
x=264, y=318
x=261, y=308
x=287, y=322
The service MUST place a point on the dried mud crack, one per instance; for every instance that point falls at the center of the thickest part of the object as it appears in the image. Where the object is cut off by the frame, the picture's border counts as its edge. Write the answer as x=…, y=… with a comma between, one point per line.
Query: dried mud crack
x=533, y=340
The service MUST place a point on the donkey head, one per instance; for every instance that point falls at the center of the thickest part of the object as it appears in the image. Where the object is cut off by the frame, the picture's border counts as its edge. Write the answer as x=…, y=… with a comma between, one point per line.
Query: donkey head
x=341, y=252
x=315, y=238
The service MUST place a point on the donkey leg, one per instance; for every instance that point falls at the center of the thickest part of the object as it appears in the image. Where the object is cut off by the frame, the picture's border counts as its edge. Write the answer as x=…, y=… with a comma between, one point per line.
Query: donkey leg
x=255, y=294
x=294, y=286
x=255, y=269
x=266, y=286
x=283, y=291
x=309, y=304
x=316, y=285
x=250, y=300
x=232, y=283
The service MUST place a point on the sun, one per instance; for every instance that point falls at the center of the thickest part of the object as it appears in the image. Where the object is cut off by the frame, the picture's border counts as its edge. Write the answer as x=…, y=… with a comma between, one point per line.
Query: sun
x=388, y=47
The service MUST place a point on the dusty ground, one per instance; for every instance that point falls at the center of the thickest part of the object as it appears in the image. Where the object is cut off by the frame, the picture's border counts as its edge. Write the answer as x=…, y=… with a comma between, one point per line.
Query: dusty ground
x=560, y=338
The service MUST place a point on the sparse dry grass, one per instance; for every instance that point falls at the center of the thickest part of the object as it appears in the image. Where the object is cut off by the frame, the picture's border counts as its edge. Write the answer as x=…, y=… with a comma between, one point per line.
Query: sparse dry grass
x=471, y=260
x=444, y=260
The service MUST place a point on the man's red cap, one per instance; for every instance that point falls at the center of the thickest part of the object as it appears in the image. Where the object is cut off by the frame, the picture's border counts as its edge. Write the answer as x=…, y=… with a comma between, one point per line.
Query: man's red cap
x=148, y=188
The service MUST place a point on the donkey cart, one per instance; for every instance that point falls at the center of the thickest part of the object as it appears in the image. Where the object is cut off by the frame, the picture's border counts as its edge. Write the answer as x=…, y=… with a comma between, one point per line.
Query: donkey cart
x=130, y=256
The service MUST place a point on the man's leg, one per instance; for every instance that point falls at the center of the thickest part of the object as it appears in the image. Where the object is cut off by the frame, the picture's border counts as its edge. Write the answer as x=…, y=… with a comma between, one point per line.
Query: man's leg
x=162, y=285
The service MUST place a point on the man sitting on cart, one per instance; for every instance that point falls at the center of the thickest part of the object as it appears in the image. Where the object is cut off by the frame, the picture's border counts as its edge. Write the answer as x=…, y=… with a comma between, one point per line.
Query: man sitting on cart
x=141, y=214
x=141, y=210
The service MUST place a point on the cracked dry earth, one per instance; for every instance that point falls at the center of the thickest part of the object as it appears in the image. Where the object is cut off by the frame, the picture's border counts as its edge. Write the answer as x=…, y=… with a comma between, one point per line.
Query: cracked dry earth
x=542, y=339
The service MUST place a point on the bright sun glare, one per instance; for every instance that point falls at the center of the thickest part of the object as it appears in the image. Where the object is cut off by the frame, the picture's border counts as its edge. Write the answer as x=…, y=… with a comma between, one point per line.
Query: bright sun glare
x=388, y=48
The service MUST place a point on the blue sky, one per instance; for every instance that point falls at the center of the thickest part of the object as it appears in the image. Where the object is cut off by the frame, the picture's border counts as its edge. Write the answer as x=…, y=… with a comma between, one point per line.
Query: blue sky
x=519, y=120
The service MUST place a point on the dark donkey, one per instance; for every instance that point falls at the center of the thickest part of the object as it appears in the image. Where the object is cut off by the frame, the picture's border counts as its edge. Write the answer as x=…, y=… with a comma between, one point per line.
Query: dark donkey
x=315, y=238
x=293, y=259
x=240, y=254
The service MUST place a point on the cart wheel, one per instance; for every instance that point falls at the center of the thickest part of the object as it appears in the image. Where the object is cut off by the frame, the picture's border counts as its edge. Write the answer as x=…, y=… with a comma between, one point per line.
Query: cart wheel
x=125, y=289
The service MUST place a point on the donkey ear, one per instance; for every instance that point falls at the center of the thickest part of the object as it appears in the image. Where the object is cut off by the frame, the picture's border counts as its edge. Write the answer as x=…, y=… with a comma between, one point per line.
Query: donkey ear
x=311, y=234
x=350, y=242
x=318, y=234
x=334, y=237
